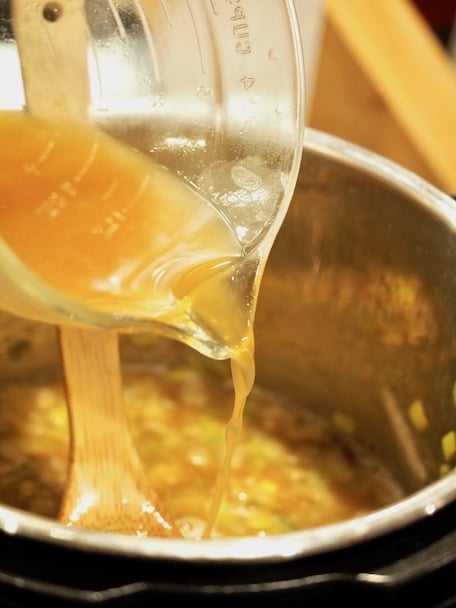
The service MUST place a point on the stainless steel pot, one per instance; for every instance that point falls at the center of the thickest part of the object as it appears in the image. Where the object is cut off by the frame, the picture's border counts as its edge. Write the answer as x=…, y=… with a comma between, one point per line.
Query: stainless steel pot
x=357, y=318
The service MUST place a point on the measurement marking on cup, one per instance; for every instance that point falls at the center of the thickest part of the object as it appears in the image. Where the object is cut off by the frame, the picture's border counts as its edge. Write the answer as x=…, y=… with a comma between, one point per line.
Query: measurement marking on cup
x=118, y=21
x=214, y=8
x=113, y=222
x=241, y=32
x=55, y=203
x=33, y=167
x=247, y=82
x=88, y=162
x=198, y=41
x=165, y=10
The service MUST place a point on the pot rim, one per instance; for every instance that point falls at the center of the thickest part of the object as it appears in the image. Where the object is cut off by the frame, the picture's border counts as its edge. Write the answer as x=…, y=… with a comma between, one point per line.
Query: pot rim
x=282, y=547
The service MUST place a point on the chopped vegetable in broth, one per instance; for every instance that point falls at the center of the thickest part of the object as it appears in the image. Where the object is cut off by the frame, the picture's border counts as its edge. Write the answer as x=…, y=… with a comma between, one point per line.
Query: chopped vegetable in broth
x=290, y=472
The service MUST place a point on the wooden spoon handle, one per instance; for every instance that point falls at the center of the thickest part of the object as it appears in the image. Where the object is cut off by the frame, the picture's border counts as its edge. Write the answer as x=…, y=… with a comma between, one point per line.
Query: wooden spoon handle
x=107, y=488
x=53, y=56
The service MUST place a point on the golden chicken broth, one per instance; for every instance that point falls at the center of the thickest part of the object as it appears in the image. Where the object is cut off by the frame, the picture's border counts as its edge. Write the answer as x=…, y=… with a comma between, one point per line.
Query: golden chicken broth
x=291, y=471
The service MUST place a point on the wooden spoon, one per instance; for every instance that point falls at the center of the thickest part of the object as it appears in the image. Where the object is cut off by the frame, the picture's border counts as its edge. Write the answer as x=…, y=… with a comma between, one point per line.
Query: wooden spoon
x=107, y=488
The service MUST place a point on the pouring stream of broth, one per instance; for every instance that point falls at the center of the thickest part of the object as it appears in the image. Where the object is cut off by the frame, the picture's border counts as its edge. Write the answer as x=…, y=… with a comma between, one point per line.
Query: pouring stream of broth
x=68, y=202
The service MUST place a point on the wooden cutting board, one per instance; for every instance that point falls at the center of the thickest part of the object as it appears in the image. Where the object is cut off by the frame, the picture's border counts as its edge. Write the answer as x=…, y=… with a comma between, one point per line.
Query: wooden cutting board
x=385, y=82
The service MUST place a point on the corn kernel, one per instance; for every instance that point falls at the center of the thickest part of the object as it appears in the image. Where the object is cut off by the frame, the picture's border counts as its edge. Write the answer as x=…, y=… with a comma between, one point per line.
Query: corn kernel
x=344, y=423
x=448, y=442
x=444, y=469
x=418, y=416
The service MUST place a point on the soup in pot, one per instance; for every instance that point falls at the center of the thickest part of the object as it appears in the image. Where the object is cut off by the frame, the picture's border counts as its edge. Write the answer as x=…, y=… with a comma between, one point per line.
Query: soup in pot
x=290, y=471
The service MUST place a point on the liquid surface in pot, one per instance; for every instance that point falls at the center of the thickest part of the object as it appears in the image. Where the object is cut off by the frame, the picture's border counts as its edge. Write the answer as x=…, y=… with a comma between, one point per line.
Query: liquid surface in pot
x=291, y=471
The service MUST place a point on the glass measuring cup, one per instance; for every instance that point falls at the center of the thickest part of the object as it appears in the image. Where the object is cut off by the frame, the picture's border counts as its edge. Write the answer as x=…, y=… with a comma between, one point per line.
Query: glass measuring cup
x=211, y=90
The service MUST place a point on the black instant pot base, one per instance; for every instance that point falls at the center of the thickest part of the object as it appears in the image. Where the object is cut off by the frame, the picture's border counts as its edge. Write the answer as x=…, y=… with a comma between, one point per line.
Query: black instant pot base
x=413, y=567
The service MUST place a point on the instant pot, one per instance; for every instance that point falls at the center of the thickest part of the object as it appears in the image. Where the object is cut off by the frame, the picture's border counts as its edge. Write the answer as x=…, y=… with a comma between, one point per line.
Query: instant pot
x=356, y=315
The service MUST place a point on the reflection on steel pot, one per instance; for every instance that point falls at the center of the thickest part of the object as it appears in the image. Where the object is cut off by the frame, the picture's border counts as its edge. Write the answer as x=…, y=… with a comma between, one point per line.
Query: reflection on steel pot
x=356, y=320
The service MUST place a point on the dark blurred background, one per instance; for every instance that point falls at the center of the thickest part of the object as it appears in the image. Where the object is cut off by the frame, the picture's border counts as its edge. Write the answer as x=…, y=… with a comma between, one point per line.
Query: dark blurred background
x=441, y=17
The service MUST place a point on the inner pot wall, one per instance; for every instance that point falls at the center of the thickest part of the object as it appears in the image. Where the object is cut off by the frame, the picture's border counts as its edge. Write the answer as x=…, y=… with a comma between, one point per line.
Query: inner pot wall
x=356, y=312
